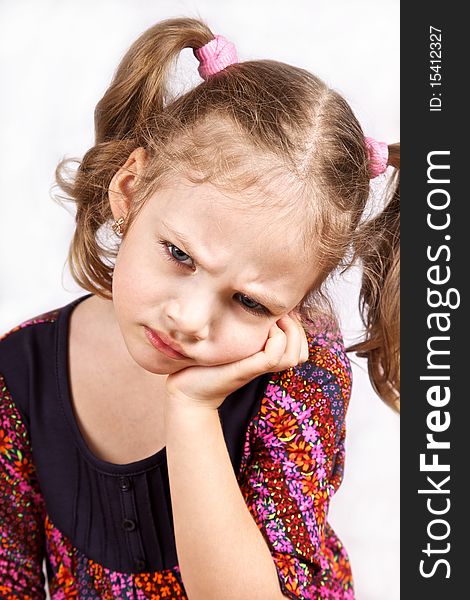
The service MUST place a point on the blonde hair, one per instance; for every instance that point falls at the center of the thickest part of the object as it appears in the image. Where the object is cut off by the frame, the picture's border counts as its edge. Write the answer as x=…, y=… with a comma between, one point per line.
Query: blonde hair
x=256, y=125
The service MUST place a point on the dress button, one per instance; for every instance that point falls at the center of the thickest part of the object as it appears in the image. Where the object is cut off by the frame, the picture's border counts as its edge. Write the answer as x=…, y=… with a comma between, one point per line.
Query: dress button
x=124, y=484
x=139, y=565
x=128, y=525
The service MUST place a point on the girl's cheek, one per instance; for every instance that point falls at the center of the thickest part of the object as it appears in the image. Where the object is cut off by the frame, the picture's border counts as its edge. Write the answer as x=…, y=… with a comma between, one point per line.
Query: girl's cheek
x=249, y=341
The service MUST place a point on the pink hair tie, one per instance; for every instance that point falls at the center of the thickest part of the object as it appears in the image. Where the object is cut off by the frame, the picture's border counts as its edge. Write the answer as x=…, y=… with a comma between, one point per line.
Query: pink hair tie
x=215, y=56
x=378, y=156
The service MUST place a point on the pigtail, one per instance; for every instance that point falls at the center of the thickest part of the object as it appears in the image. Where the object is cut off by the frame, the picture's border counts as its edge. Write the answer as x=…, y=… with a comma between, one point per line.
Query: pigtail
x=377, y=245
x=139, y=88
x=136, y=95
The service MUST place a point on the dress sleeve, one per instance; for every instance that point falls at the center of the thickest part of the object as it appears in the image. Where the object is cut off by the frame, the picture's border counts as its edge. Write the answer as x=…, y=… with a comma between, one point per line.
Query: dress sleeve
x=22, y=509
x=292, y=465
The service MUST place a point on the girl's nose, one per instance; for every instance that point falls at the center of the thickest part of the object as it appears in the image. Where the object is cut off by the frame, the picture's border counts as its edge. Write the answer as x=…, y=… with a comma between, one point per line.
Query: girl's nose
x=188, y=317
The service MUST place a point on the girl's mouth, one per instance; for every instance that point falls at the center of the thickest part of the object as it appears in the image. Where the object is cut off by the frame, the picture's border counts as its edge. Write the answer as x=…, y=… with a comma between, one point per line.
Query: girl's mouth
x=166, y=348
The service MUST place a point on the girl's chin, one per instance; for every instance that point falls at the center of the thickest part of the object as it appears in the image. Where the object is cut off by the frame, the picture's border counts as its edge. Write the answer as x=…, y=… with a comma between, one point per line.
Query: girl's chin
x=168, y=370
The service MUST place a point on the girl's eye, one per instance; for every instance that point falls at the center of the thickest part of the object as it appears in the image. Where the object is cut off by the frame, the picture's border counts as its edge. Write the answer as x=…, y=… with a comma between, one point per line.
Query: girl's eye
x=175, y=255
x=252, y=306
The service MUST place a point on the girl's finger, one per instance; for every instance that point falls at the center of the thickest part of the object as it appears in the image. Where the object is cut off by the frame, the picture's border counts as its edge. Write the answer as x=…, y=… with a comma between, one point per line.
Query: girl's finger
x=285, y=347
x=275, y=346
x=305, y=350
x=264, y=361
x=294, y=347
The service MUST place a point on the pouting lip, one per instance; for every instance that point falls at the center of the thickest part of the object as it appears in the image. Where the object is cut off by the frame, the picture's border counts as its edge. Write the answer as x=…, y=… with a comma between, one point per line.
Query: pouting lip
x=167, y=341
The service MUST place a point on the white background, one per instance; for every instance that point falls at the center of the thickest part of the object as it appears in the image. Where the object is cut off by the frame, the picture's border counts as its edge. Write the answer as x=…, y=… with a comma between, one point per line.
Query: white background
x=57, y=59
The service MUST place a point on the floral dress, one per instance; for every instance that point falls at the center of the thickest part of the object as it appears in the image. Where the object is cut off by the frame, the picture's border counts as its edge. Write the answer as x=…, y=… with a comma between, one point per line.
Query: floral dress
x=105, y=531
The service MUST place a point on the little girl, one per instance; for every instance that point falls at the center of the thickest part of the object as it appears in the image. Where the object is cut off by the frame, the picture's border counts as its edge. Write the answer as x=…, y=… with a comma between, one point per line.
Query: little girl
x=179, y=431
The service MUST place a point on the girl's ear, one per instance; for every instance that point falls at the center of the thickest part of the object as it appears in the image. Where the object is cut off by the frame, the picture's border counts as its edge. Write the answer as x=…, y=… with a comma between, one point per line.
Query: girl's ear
x=121, y=187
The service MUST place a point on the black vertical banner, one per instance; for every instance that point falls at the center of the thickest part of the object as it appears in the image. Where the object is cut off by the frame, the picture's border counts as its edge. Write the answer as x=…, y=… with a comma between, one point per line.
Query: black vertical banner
x=435, y=322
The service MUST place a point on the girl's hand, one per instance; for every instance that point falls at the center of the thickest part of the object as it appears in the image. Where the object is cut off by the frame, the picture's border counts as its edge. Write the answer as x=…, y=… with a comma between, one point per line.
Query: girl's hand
x=286, y=346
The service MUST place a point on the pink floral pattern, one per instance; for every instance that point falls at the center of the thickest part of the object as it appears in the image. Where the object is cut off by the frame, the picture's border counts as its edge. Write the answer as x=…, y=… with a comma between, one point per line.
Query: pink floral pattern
x=293, y=464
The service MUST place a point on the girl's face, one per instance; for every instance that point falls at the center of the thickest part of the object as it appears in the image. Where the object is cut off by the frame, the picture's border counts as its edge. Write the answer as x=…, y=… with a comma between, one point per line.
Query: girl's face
x=206, y=276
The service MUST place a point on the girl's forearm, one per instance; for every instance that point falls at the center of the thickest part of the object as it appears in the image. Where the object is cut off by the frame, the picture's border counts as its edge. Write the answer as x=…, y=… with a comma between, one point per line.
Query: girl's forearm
x=221, y=552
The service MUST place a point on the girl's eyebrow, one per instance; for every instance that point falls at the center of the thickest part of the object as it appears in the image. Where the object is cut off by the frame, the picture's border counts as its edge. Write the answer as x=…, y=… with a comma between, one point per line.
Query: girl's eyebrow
x=264, y=298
